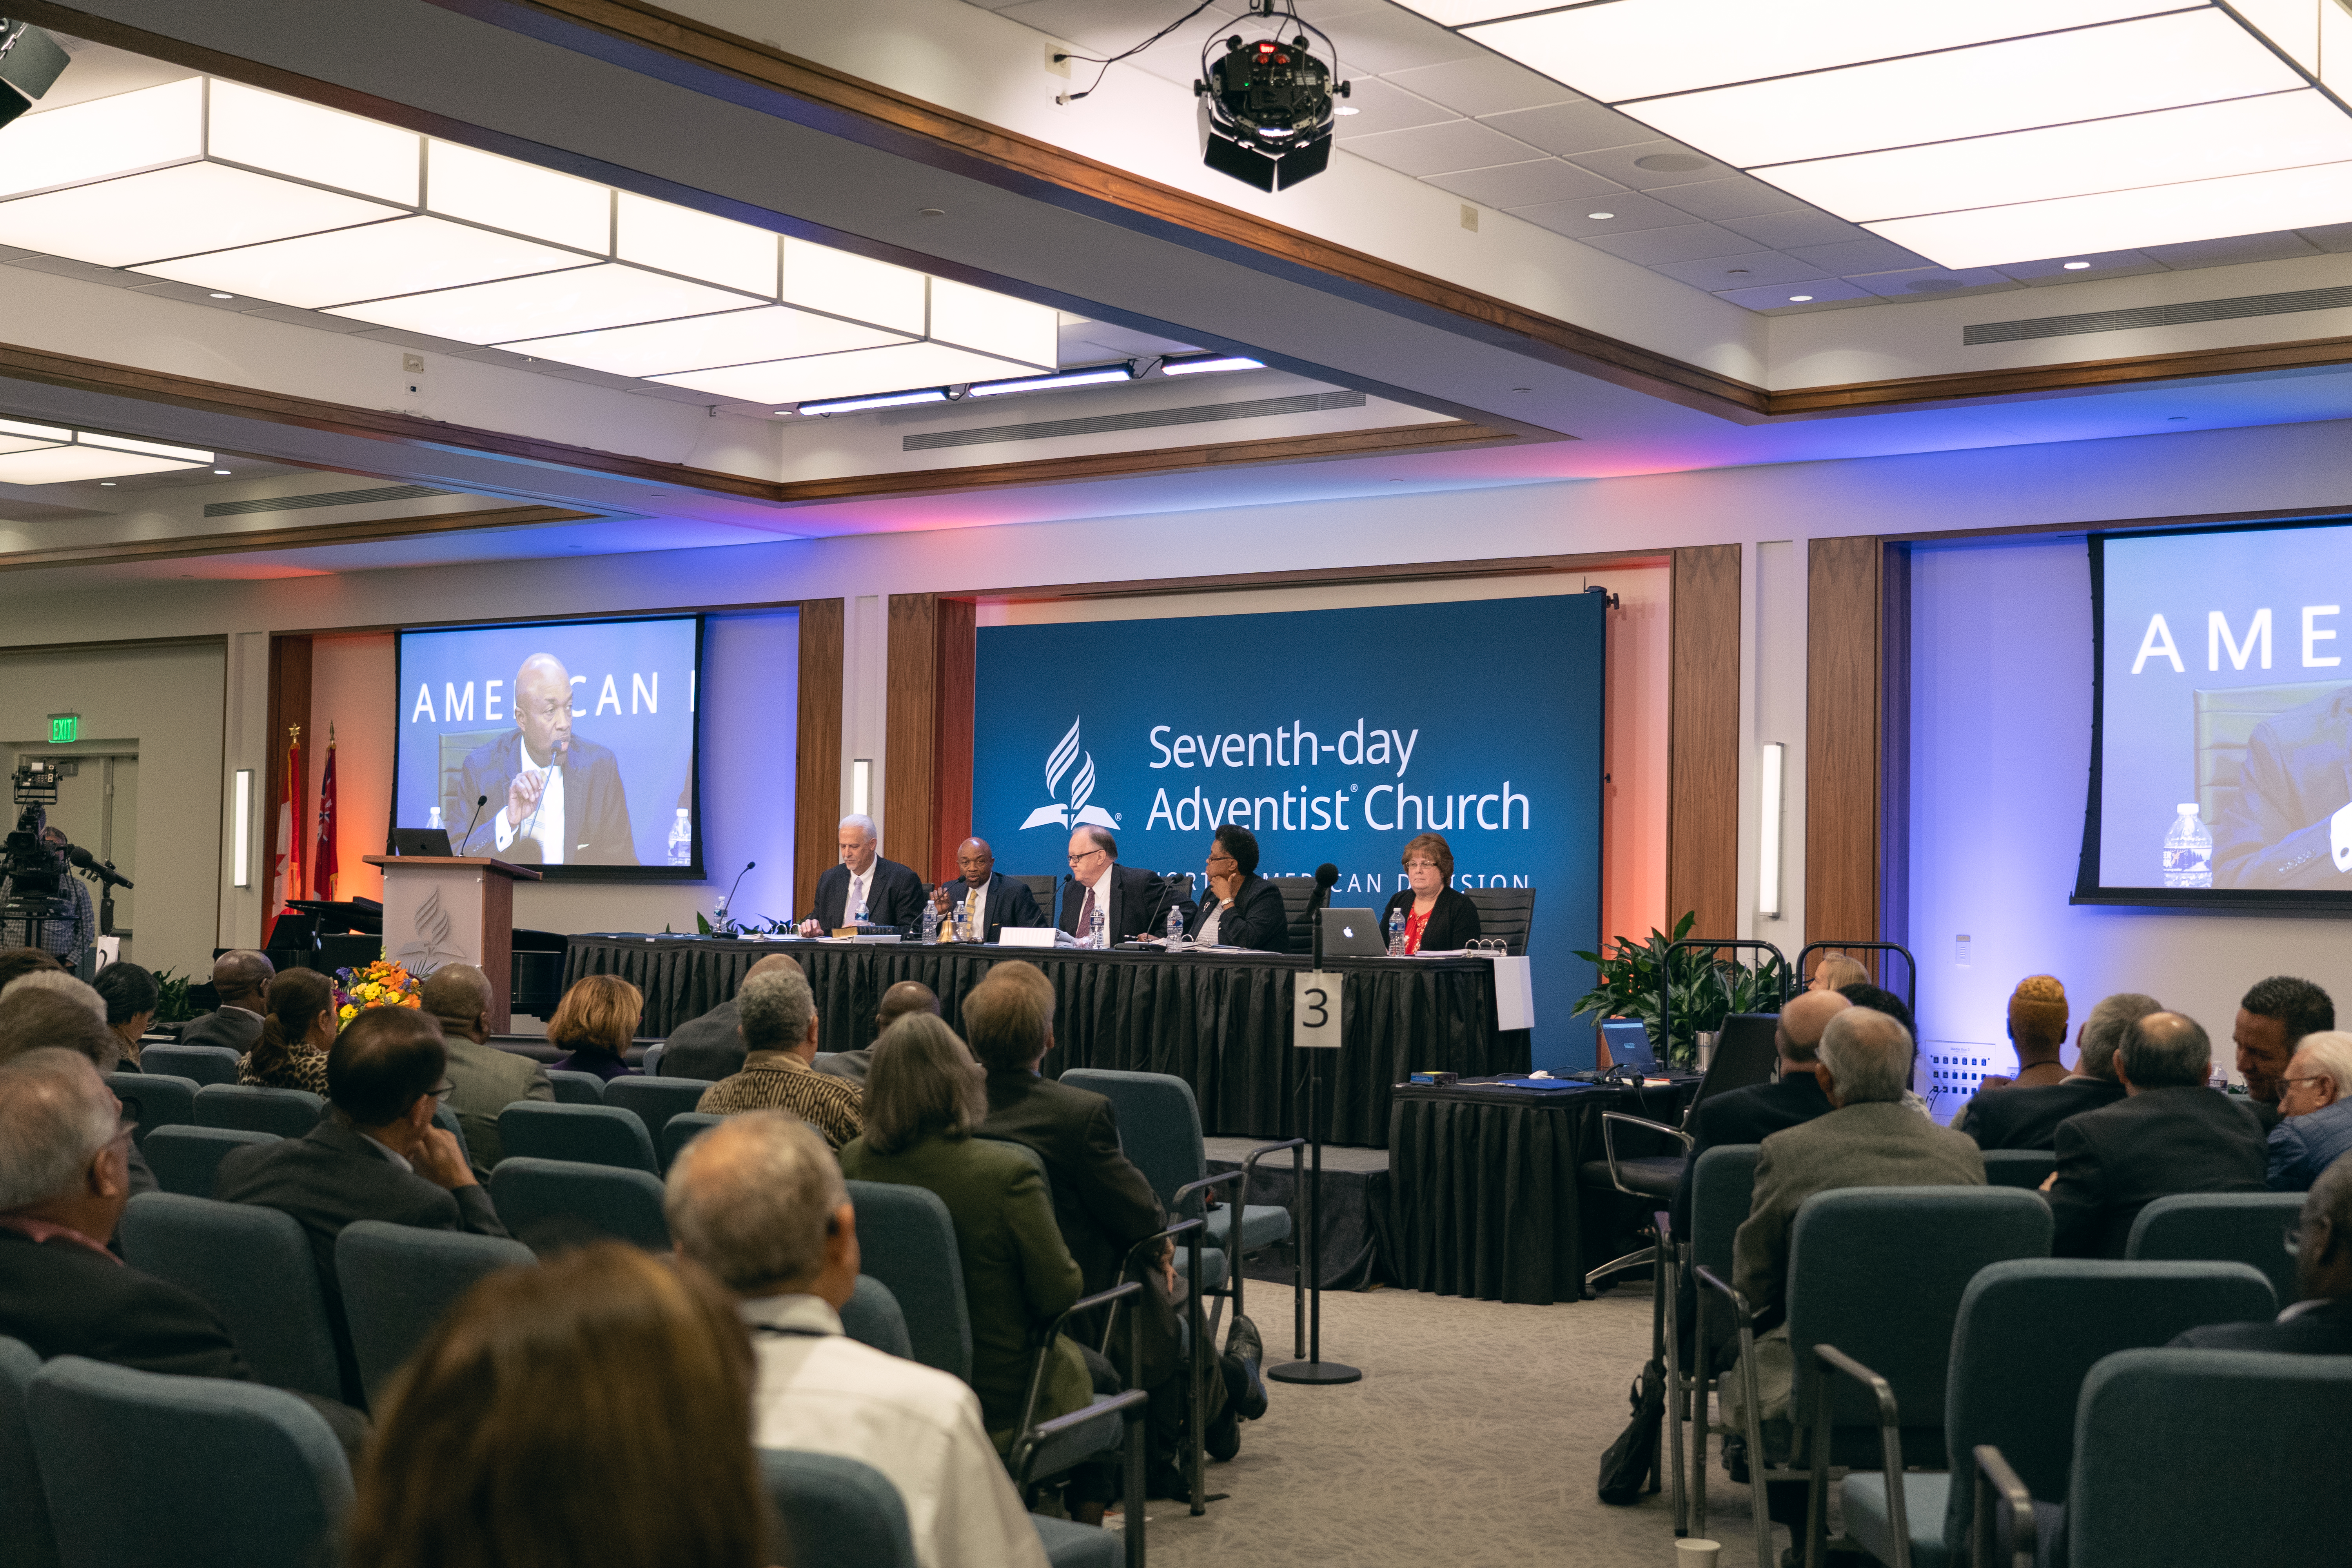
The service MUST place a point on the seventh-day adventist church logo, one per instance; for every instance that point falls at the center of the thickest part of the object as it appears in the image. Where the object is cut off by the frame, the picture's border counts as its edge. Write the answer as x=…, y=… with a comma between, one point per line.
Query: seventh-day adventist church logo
x=1082, y=789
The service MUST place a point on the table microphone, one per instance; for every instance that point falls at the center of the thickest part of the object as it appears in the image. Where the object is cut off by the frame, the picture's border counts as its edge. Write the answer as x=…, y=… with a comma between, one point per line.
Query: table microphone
x=479, y=801
x=728, y=902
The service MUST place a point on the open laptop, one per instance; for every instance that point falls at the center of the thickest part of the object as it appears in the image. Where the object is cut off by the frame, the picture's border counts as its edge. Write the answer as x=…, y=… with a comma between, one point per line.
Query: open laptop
x=419, y=841
x=1352, y=933
x=1629, y=1044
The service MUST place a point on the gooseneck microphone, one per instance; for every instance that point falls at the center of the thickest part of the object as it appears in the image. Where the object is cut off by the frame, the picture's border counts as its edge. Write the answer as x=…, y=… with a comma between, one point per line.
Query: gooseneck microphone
x=728, y=902
x=479, y=801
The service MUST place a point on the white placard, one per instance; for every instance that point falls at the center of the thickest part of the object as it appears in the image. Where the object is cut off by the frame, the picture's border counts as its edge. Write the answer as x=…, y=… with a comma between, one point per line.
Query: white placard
x=1027, y=936
x=1515, y=994
x=1314, y=1011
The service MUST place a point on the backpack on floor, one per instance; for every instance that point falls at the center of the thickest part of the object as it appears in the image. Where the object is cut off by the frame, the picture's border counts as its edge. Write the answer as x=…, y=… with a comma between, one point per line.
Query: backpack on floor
x=1631, y=1461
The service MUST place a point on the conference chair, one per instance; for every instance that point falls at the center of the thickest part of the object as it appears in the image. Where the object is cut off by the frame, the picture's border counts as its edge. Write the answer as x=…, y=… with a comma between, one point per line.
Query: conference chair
x=187, y=1160
x=157, y=1100
x=586, y=1134
x=655, y=1100
x=576, y=1088
x=1505, y=912
x=682, y=1129
x=143, y=1470
x=1041, y=890
x=552, y=1205
x=838, y=1512
x=906, y=1240
x=2027, y=1333
x=204, y=1064
x=253, y=1266
x=871, y=1316
x=2241, y=1227
x=2019, y=1167
x=1874, y=1280
x=398, y=1282
x=1113, y=1424
x=288, y=1112
x=27, y=1537
x=1723, y=1186
x=2183, y=1458
x=650, y=1063
x=447, y=1120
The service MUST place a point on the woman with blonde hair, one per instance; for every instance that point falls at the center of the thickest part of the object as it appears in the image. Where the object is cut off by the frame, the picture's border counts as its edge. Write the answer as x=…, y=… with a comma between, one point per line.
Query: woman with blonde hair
x=1836, y=971
x=1436, y=918
x=595, y=1021
x=295, y=1036
x=593, y=1412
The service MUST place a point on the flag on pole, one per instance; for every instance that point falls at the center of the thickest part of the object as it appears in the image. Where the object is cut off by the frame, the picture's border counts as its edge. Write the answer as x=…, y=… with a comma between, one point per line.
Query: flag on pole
x=323, y=870
x=285, y=875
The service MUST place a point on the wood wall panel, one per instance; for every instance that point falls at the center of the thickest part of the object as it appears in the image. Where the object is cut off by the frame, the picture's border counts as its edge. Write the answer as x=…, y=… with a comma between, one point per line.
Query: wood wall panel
x=1703, y=741
x=911, y=730
x=1844, y=721
x=817, y=786
x=951, y=730
x=289, y=704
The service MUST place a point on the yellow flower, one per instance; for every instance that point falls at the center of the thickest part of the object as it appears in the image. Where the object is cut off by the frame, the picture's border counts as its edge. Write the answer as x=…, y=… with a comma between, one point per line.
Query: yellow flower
x=350, y=1013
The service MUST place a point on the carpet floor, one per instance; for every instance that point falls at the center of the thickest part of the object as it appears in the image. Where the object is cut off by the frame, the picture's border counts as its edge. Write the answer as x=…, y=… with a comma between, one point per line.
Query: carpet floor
x=1473, y=1440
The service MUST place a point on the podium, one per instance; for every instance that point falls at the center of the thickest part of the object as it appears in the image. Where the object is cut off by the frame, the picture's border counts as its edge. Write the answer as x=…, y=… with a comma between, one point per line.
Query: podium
x=453, y=909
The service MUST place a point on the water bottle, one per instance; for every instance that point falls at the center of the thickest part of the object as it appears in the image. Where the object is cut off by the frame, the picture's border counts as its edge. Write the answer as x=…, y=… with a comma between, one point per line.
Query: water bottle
x=434, y=820
x=930, y=924
x=2188, y=850
x=681, y=840
x=1175, y=926
x=1097, y=935
x=1396, y=933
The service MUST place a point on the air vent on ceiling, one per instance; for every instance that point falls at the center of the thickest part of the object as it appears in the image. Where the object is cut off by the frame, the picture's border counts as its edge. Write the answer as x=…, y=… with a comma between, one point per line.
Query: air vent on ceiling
x=2180, y=315
x=336, y=498
x=1142, y=419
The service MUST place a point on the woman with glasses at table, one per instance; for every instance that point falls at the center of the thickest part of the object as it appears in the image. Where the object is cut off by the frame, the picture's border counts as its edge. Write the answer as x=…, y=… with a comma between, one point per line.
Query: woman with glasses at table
x=1436, y=918
x=1240, y=908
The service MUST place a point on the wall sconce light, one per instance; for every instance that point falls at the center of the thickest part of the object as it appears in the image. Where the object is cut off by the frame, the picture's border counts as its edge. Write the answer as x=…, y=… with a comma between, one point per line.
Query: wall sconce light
x=1767, y=831
x=240, y=865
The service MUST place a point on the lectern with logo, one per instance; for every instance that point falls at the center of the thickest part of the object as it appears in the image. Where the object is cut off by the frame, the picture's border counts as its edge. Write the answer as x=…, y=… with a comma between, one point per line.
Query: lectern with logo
x=453, y=909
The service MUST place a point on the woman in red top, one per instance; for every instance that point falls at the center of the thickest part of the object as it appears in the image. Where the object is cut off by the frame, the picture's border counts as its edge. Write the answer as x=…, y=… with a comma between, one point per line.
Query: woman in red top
x=1436, y=918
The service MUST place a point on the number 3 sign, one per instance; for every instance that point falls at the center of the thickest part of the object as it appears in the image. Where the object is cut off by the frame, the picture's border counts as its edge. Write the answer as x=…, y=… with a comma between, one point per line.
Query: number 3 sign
x=1315, y=1012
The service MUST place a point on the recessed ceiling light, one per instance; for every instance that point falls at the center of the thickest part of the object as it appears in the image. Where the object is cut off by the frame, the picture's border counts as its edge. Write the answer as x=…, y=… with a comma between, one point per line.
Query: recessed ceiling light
x=930, y=212
x=220, y=471
x=106, y=484
x=2076, y=265
x=1799, y=298
x=1208, y=365
x=1600, y=217
x=1523, y=389
x=218, y=295
x=1669, y=163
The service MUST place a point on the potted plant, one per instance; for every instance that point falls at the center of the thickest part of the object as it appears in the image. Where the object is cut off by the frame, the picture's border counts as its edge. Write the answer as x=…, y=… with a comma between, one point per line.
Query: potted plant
x=1705, y=989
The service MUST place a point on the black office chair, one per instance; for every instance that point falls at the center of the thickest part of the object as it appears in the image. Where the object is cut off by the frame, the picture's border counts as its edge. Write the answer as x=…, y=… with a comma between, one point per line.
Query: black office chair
x=1505, y=912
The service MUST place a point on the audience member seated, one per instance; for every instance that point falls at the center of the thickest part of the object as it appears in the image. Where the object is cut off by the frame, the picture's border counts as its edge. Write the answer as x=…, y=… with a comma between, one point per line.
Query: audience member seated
x=710, y=1047
x=779, y=1025
x=16, y=960
x=595, y=1021
x=131, y=995
x=60, y=983
x=1836, y=971
x=905, y=997
x=2028, y=1118
x=375, y=1154
x=301, y=1025
x=65, y=1176
x=1751, y=1114
x=2319, y=1322
x=241, y=978
x=2037, y=1028
x=923, y=1102
x=485, y=1080
x=2272, y=1018
x=1879, y=1000
x=2171, y=1134
x=40, y=1019
x=595, y=1410
x=759, y=1202
x=2315, y=1111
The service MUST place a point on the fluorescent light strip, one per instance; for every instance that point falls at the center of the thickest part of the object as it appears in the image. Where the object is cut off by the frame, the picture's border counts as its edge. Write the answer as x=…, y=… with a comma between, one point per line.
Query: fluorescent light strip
x=1097, y=377
x=143, y=448
x=1767, y=829
x=707, y=343
x=884, y=400
x=36, y=432
x=1210, y=366
x=240, y=862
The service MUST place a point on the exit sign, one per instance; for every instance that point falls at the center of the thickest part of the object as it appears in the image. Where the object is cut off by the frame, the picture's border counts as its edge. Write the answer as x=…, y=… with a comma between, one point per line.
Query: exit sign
x=65, y=729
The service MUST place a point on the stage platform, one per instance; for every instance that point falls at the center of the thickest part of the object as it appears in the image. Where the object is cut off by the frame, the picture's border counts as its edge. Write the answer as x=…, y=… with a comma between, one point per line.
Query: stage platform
x=1357, y=1244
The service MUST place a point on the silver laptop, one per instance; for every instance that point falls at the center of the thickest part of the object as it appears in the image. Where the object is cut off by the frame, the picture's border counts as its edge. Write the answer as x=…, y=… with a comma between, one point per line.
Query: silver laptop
x=1353, y=933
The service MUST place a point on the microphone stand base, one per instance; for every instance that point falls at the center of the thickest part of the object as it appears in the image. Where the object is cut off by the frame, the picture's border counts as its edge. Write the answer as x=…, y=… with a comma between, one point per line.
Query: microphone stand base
x=1322, y=1371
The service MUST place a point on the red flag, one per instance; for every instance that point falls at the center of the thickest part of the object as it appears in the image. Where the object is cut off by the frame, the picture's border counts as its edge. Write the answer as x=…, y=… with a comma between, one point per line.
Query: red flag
x=286, y=881
x=323, y=869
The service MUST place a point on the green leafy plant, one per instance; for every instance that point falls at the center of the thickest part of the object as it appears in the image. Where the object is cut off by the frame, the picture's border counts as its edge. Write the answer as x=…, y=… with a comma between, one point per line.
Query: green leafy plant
x=172, y=998
x=1705, y=988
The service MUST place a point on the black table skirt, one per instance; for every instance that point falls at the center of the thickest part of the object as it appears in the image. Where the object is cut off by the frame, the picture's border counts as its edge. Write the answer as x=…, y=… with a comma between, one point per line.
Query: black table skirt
x=1485, y=1193
x=1221, y=1022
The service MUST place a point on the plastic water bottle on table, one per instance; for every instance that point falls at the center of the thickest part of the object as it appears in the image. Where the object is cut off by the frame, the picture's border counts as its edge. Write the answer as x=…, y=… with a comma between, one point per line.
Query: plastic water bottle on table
x=1175, y=926
x=1097, y=930
x=681, y=840
x=1396, y=933
x=931, y=923
x=2188, y=850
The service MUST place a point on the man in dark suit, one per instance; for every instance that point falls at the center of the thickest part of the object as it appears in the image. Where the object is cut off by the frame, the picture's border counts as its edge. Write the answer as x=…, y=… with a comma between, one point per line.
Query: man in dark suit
x=2272, y=1018
x=889, y=893
x=376, y=1155
x=556, y=799
x=711, y=1047
x=2320, y=1321
x=986, y=899
x=1751, y=1114
x=1130, y=900
x=242, y=977
x=1242, y=908
x=2027, y=1116
x=61, y=1291
x=2171, y=1135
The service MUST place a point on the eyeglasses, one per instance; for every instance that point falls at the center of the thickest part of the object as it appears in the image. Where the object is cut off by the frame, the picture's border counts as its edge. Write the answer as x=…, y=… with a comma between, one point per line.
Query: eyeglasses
x=443, y=1093
x=2314, y=1078
x=1082, y=859
x=1420, y=865
x=1221, y=860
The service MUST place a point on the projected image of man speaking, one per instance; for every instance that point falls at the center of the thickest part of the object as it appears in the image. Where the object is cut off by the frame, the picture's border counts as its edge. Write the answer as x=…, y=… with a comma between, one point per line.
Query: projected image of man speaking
x=556, y=798
x=2290, y=822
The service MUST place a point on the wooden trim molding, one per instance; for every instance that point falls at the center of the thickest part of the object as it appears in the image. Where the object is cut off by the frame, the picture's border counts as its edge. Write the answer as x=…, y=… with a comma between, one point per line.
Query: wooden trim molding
x=261, y=539
x=1703, y=740
x=1844, y=715
x=1868, y=397
x=816, y=778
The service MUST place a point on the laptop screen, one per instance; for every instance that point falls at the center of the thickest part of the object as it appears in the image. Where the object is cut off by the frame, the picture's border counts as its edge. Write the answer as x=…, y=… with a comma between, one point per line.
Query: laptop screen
x=1629, y=1043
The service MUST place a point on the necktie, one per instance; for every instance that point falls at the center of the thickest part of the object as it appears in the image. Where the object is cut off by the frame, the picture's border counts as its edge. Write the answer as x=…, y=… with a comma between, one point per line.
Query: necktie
x=971, y=915
x=1086, y=916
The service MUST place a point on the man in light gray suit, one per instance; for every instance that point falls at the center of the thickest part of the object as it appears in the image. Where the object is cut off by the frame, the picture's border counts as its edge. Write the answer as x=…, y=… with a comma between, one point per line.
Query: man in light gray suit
x=485, y=1079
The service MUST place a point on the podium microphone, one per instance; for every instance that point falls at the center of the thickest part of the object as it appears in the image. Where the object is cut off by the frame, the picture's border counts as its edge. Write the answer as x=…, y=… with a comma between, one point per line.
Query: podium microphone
x=479, y=801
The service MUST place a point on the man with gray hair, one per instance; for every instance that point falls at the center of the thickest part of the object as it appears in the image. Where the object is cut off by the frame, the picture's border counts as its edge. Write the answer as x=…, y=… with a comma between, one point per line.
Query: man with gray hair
x=2314, y=1103
x=483, y=1080
x=2170, y=1134
x=779, y=1025
x=2027, y=1116
x=63, y=985
x=2319, y=1322
x=883, y=892
x=758, y=1201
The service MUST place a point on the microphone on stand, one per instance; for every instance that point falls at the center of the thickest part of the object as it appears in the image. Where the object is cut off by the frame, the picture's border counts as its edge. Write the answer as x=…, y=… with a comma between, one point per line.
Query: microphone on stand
x=479, y=801
x=1326, y=877
x=103, y=870
x=727, y=901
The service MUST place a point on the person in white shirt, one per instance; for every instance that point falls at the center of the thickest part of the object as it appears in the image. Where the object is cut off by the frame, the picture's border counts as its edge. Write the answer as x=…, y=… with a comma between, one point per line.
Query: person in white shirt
x=758, y=1201
x=866, y=888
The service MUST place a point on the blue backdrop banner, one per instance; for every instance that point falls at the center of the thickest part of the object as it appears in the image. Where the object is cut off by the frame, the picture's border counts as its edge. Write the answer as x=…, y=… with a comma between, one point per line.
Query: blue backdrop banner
x=1332, y=735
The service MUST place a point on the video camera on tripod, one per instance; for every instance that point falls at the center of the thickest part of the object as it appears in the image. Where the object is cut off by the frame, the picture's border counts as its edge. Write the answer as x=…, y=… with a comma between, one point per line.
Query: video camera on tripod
x=34, y=872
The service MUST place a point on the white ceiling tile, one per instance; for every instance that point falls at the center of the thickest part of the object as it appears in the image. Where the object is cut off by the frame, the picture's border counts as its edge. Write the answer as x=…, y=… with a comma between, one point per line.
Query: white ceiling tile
x=2228, y=252
x=1670, y=164
x=1786, y=231
x=1106, y=27
x=1686, y=242
x=1379, y=106
x=1571, y=128
x=1542, y=180
x=1483, y=84
x=2106, y=264
x=1387, y=38
x=1437, y=148
x=1627, y=213
x=1740, y=195
x=1933, y=282
x=2334, y=237
x=1775, y=297
x=1750, y=270
x=1869, y=254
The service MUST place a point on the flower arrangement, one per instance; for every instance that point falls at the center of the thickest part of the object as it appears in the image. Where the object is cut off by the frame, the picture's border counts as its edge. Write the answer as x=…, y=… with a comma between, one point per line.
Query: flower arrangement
x=382, y=984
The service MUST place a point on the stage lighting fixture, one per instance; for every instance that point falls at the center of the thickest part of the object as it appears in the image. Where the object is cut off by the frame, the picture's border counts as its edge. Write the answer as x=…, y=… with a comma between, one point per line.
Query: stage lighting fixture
x=1266, y=106
x=1093, y=375
x=30, y=60
x=882, y=400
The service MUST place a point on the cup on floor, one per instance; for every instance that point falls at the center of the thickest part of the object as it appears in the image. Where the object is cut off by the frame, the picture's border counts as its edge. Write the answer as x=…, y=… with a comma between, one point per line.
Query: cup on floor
x=1690, y=1553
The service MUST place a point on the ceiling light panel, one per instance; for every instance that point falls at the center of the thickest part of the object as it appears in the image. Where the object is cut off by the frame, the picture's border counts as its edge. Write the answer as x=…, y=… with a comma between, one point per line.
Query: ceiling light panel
x=849, y=374
x=103, y=137
x=2089, y=73
x=173, y=212
x=841, y=283
x=520, y=198
x=2207, y=142
x=700, y=342
x=143, y=448
x=994, y=323
x=403, y=256
x=74, y=465
x=12, y=442
x=581, y=299
x=19, y=430
x=696, y=244
x=286, y=136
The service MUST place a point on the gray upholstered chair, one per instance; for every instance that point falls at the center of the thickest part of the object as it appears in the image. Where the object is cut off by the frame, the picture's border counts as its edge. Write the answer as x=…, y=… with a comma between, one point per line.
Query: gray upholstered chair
x=288, y=1112
x=27, y=1538
x=399, y=1280
x=1723, y=1186
x=908, y=1242
x=157, y=1100
x=253, y=1266
x=549, y=1205
x=587, y=1134
x=187, y=1160
x=204, y=1064
x=872, y=1317
x=2019, y=1167
x=681, y=1130
x=576, y=1087
x=2238, y=1227
x=654, y=1100
x=838, y=1512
